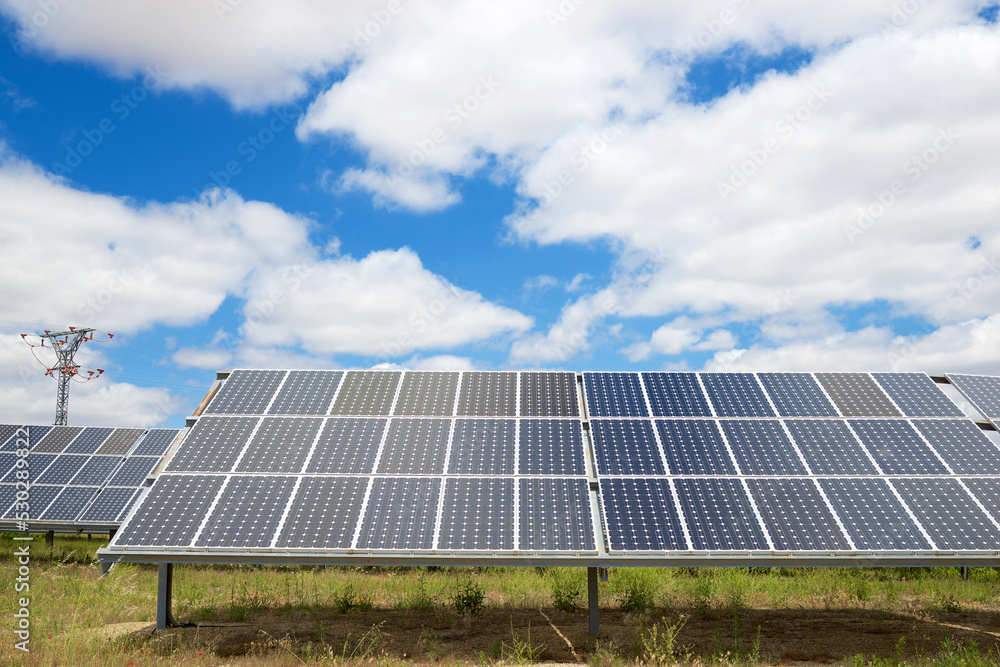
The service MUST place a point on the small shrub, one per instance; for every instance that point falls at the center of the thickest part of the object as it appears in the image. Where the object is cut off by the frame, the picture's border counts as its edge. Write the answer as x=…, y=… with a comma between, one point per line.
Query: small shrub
x=349, y=599
x=469, y=599
x=701, y=596
x=520, y=651
x=566, y=588
x=659, y=644
x=637, y=589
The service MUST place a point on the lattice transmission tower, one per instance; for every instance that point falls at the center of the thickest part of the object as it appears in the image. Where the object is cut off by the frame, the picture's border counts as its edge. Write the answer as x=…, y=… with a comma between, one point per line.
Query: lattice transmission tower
x=65, y=344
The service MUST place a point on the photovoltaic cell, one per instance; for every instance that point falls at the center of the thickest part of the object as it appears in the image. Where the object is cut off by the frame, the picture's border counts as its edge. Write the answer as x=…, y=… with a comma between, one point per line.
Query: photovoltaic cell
x=7, y=432
x=134, y=471
x=429, y=394
x=719, y=515
x=897, y=448
x=486, y=394
x=8, y=493
x=872, y=515
x=694, y=447
x=245, y=392
x=401, y=513
x=347, y=445
x=35, y=435
x=366, y=393
x=962, y=445
x=110, y=505
x=736, y=395
x=306, y=393
x=551, y=447
x=483, y=447
x=89, y=440
x=917, y=395
x=415, y=447
x=156, y=442
x=983, y=391
x=948, y=514
x=478, y=514
x=549, y=395
x=280, y=444
x=96, y=470
x=795, y=515
x=40, y=497
x=323, y=514
x=120, y=442
x=797, y=395
x=69, y=503
x=640, y=515
x=247, y=512
x=57, y=439
x=987, y=490
x=614, y=395
x=172, y=510
x=37, y=464
x=857, y=395
x=555, y=515
x=62, y=470
x=762, y=448
x=675, y=395
x=213, y=444
x=626, y=447
x=829, y=447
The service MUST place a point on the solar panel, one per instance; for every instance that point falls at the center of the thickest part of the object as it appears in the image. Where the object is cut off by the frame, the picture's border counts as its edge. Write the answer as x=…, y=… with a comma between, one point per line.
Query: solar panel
x=62, y=470
x=156, y=442
x=719, y=515
x=736, y=395
x=35, y=435
x=400, y=514
x=897, y=447
x=366, y=393
x=69, y=503
x=488, y=394
x=830, y=448
x=477, y=514
x=917, y=395
x=37, y=464
x=120, y=441
x=415, y=447
x=483, y=447
x=96, y=470
x=306, y=393
x=550, y=447
x=245, y=392
x=213, y=444
x=57, y=439
x=626, y=447
x=7, y=433
x=110, y=505
x=641, y=515
x=39, y=498
x=427, y=393
x=962, y=445
x=873, y=516
x=987, y=492
x=549, y=395
x=247, y=512
x=280, y=444
x=982, y=391
x=797, y=395
x=857, y=395
x=89, y=441
x=796, y=516
x=172, y=510
x=614, y=395
x=694, y=447
x=675, y=395
x=555, y=515
x=323, y=513
x=948, y=514
x=134, y=471
x=347, y=445
x=762, y=447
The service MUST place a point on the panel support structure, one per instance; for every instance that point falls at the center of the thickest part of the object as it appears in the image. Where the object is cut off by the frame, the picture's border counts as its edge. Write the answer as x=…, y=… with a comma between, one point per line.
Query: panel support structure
x=164, y=592
x=965, y=574
x=592, y=599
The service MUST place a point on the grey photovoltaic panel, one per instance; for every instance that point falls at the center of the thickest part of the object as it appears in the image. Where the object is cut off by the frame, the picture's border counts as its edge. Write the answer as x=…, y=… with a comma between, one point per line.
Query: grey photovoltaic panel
x=247, y=513
x=37, y=464
x=694, y=447
x=857, y=395
x=306, y=393
x=62, y=470
x=120, y=442
x=897, y=448
x=614, y=395
x=948, y=514
x=486, y=394
x=245, y=392
x=829, y=447
x=366, y=393
x=40, y=497
x=57, y=439
x=429, y=394
x=762, y=447
x=555, y=515
x=89, y=440
x=8, y=493
x=213, y=444
x=110, y=505
x=987, y=490
x=7, y=432
x=719, y=516
x=736, y=395
x=641, y=515
x=401, y=513
x=872, y=515
x=983, y=391
x=917, y=395
x=7, y=462
x=35, y=435
x=95, y=470
x=280, y=444
x=69, y=503
x=797, y=395
x=323, y=514
x=676, y=395
x=626, y=447
x=347, y=445
x=483, y=447
x=478, y=514
x=134, y=471
x=156, y=442
x=170, y=513
x=964, y=446
x=551, y=447
x=415, y=447
x=795, y=515
x=547, y=394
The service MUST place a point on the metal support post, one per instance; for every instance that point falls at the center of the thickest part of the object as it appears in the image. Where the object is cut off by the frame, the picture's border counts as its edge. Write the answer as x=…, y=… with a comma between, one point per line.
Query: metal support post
x=50, y=538
x=164, y=591
x=965, y=573
x=592, y=599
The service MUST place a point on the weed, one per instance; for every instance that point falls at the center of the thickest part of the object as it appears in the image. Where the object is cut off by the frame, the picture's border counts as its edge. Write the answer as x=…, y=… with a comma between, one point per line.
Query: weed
x=659, y=645
x=701, y=596
x=567, y=589
x=520, y=651
x=247, y=604
x=365, y=647
x=469, y=598
x=949, y=602
x=349, y=599
x=637, y=588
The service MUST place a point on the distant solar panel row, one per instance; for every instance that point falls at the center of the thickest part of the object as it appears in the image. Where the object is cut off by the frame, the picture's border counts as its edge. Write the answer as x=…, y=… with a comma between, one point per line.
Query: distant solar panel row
x=983, y=391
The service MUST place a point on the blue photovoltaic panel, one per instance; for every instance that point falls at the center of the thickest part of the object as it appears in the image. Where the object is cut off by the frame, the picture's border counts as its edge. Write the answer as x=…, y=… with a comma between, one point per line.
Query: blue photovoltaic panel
x=245, y=392
x=89, y=440
x=551, y=447
x=483, y=447
x=40, y=497
x=111, y=505
x=948, y=514
x=897, y=448
x=694, y=447
x=478, y=514
x=120, y=442
x=736, y=395
x=172, y=510
x=62, y=470
x=917, y=395
x=614, y=395
x=427, y=393
x=96, y=470
x=134, y=471
x=641, y=515
x=987, y=490
x=488, y=394
x=983, y=391
x=213, y=444
x=156, y=442
x=626, y=447
x=719, y=515
x=795, y=515
x=56, y=439
x=35, y=435
x=962, y=445
x=280, y=444
x=555, y=515
x=69, y=503
x=306, y=393
x=8, y=493
x=547, y=394
x=829, y=447
x=797, y=395
x=37, y=464
x=676, y=395
x=415, y=447
x=347, y=445
x=247, y=512
x=762, y=447
x=7, y=432
x=857, y=395
x=872, y=515
x=366, y=393
x=401, y=513
x=323, y=514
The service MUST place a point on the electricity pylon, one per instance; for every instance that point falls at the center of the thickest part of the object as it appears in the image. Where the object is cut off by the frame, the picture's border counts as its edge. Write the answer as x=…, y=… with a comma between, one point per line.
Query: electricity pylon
x=65, y=344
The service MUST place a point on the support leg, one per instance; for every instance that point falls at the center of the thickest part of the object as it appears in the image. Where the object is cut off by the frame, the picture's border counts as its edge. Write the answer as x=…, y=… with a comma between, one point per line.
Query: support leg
x=111, y=534
x=592, y=599
x=965, y=574
x=50, y=538
x=164, y=591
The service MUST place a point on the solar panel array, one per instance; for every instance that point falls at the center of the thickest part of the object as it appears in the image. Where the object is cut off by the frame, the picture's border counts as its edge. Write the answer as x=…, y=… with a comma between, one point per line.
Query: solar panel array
x=608, y=465
x=80, y=477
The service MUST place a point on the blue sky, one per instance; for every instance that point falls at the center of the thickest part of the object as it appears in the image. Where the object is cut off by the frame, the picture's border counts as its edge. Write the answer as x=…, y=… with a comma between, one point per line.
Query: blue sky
x=650, y=185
